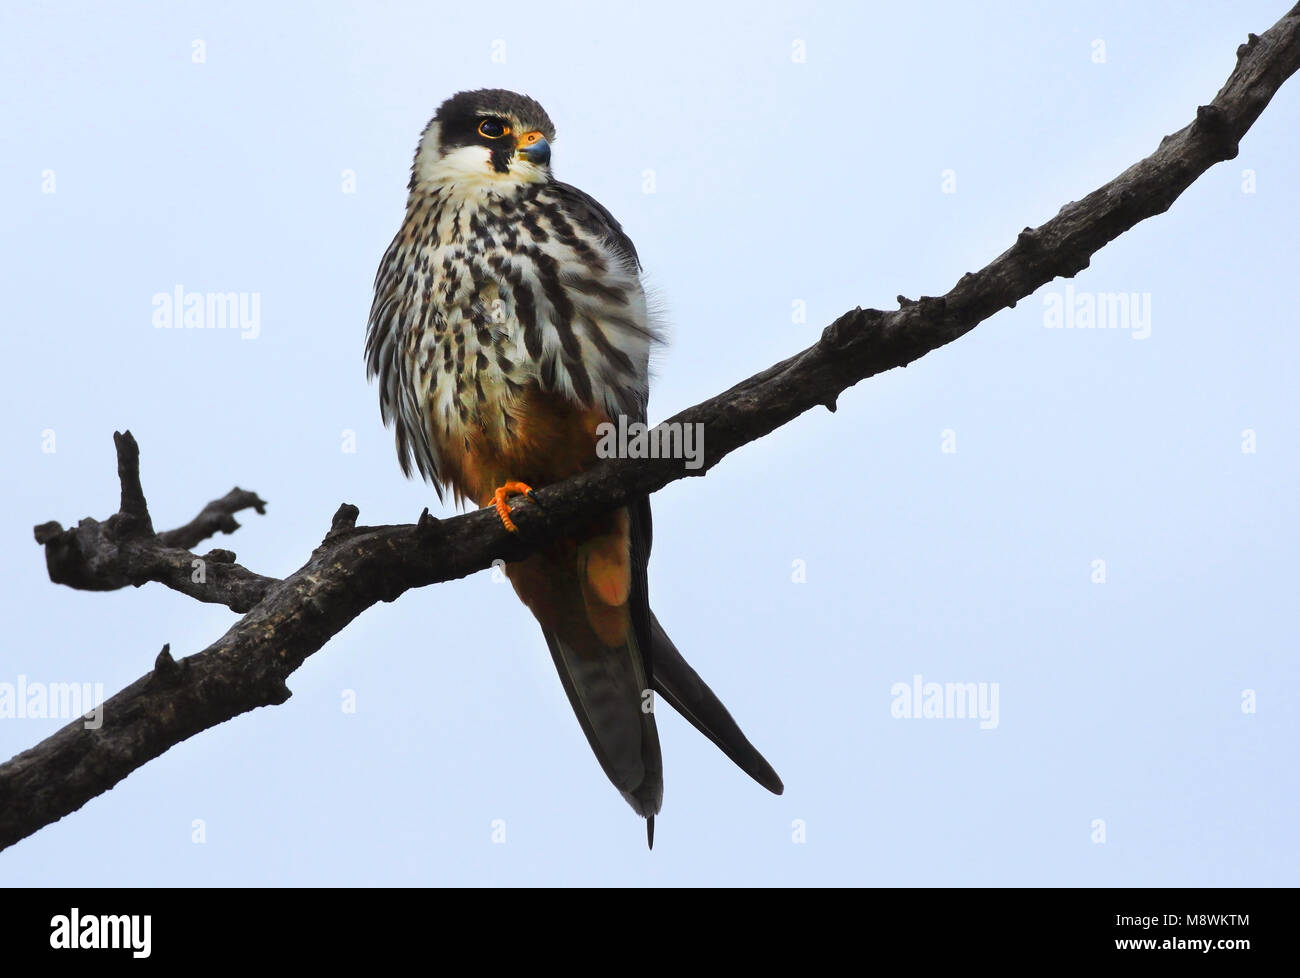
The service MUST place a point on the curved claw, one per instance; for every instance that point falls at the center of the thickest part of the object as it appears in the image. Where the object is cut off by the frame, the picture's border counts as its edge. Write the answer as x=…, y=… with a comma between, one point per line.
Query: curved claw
x=502, y=507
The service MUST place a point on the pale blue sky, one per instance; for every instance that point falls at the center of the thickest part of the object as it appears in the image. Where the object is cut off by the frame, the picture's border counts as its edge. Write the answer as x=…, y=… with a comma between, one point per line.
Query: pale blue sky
x=774, y=182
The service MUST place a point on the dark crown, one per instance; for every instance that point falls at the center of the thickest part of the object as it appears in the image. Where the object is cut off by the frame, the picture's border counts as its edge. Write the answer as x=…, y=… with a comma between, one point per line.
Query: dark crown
x=489, y=101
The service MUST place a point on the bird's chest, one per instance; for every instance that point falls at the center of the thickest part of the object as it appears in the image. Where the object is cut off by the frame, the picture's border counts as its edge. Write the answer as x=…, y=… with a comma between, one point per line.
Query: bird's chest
x=482, y=307
x=473, y=373
x=463, y=346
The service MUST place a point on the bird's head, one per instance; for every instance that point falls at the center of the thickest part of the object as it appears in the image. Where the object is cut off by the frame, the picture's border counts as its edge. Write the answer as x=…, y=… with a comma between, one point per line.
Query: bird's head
x=486, y=137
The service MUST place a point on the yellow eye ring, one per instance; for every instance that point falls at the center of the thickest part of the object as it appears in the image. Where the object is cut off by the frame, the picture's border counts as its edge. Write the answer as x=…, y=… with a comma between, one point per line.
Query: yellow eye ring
x=493, y=129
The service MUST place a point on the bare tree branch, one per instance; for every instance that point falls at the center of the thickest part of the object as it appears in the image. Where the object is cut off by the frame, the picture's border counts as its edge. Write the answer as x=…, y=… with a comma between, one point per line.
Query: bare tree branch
x=216, y=517
x=124, y=550
x=355, y=567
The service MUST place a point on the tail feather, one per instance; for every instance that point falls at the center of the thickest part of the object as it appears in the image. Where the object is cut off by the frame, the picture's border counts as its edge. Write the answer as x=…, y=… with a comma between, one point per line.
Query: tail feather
x=591, y=597
x=585, y=592
x=605, y=689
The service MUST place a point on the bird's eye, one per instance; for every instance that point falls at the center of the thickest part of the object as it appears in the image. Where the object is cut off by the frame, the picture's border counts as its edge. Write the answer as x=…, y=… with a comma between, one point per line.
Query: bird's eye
x=493, y=128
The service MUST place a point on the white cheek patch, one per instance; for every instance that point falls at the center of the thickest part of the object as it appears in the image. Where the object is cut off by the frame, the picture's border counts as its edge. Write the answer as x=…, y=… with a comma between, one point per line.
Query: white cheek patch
x=465, y=164
x=469, y=166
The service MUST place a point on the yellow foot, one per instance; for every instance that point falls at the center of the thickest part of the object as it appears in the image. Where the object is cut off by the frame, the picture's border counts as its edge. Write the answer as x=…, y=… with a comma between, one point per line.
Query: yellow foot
x=503, y=508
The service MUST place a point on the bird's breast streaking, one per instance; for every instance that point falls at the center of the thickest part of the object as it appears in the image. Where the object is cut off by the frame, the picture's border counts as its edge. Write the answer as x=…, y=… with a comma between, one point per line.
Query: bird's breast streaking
x=491, y=291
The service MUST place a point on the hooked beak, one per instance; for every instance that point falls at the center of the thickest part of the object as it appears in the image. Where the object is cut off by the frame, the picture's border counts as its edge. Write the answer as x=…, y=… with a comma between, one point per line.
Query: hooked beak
x=534, y=148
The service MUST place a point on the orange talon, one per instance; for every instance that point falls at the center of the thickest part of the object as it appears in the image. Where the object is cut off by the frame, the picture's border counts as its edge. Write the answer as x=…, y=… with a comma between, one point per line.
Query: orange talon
x=503, y=508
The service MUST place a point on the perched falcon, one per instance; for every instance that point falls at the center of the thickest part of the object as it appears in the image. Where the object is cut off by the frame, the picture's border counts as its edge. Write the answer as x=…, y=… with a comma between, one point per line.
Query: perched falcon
x=508, y=323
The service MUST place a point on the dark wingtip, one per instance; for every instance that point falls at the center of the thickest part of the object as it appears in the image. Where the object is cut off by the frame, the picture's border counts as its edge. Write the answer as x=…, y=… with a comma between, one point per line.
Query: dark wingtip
x=650, y=831
x=690, y=696
x=767, y=777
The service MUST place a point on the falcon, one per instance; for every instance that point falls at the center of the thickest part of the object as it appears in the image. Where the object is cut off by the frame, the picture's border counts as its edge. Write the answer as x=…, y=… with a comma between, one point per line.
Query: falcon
x=508, y=324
